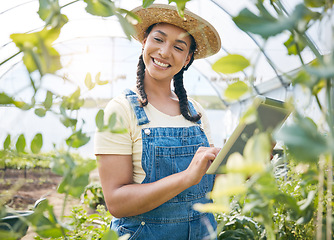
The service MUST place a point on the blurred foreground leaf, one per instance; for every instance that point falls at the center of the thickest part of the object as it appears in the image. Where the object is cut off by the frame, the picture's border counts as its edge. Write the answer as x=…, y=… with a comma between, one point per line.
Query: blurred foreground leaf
x=21, y=144
x=38, y=53
x=303, y=140
x=235, y=90
x=267, y=26
x=36, y=143
x=49, y=11
x=232, y=63
x=103, y=8
x=77, y=139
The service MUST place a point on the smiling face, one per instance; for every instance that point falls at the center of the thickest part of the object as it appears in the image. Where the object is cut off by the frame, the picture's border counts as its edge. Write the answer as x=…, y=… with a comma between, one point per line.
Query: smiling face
x=165, y=51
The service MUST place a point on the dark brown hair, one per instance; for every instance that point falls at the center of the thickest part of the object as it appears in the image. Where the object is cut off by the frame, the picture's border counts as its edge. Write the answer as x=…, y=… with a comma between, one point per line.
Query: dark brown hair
x=179, y=89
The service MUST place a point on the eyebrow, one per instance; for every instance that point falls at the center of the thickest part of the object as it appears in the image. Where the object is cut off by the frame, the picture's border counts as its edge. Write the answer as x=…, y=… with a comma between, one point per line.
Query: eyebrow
x=177, y=40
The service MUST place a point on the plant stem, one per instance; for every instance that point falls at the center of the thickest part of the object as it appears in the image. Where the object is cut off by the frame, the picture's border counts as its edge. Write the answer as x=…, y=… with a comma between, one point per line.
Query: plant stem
x=270, y=233
x=303, y=35
x=6, y=60
x=19, y=5
x=69, y=3
x=272, y=65
x=330, y=114
x=63, y=207
x=329, y=198
x=320, y=197
x=318, y=102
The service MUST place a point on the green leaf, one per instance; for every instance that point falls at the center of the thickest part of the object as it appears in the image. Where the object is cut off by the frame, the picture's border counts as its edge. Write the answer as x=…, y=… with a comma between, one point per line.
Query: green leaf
x=266, y=25
x=315, y=3
x=99, y=120
x=119, y=130
x=38, y=53
x=75, y=175
x=77, y=139
x=49, y=11
x=68, y=122
x=5, y=99
x=7, y=142
x=112, y=121
x=45, y=8
x=48, y=100
x=73, y=184
x=20, y=144
x=10, y=235
x=258, y=148
x=126, y=26
x=22, y=105
x=303, y=140
x=45, y=222
x=73, y=102
x=103, y=8
x=325, y=71
x=303, y=78
x=36, y=143
x=315, y=84
x=321, y=84
x=98, y=80
x=85, y=167
x=78, y=184
x=50, y=231
x=147, y=3
x=235, y=90
x=40, y=112
x=231, y=63
x=110, y=235
x=294, y=45
x=88, y=81
x=181, y=5
x=249, y=116
x=130, y=16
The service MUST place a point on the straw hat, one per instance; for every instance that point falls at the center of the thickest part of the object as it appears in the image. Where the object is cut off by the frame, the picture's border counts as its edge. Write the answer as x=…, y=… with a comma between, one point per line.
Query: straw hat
x=205, y=35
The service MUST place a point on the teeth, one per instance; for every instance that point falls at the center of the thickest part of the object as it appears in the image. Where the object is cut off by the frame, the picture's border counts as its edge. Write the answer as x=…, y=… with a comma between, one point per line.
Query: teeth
x=160, y=63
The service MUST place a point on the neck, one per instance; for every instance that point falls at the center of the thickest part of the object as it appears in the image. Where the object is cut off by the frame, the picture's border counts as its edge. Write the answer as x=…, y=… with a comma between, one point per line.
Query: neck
x=161, y=88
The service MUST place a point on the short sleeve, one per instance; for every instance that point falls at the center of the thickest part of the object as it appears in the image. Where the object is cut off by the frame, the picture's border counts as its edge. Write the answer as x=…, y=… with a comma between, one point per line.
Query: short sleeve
x=107, y=142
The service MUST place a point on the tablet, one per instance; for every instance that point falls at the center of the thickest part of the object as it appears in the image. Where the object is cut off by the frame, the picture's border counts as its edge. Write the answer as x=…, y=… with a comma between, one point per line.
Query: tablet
x=271, y=114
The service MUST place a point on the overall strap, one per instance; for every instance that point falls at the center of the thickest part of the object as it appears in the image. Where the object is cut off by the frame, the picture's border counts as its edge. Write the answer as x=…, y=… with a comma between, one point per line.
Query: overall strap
x=193, y=111
x=138, y=110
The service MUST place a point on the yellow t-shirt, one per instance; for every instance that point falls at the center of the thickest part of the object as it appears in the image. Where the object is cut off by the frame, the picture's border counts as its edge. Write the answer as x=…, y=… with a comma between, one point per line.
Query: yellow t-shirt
x=130, y=143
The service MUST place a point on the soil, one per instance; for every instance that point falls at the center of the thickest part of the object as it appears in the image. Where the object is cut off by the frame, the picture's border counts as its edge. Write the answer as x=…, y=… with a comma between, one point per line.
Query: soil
x=30, y=185
x=22, y=188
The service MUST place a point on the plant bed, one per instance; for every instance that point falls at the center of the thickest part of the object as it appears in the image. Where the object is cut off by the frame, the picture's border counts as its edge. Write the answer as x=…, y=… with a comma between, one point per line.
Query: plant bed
x=33, y=184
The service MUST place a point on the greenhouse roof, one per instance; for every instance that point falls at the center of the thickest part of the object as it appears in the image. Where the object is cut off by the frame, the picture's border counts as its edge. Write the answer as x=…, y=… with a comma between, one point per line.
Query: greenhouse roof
x=97, y=45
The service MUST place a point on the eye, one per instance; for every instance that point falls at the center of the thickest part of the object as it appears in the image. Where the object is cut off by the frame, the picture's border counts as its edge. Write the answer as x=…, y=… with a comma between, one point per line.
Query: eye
x=158, y=39
x=178, y=48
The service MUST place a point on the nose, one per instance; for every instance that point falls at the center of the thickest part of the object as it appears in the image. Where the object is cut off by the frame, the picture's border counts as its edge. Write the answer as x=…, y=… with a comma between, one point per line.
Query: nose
x=165, y=50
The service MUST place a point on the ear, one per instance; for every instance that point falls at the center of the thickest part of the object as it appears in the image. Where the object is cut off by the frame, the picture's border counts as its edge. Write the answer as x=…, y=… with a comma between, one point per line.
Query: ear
x=188, y=59
x=144, y=42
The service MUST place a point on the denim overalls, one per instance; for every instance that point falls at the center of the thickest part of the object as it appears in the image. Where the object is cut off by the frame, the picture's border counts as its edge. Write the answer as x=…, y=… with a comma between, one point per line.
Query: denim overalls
x=168, y=150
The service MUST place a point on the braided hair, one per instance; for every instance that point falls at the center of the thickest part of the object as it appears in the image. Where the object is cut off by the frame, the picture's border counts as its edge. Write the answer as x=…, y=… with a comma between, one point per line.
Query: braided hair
x=178, y=82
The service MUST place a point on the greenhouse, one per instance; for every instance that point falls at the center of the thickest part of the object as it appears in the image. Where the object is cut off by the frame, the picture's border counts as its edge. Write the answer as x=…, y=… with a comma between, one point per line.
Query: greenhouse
x=62, y=62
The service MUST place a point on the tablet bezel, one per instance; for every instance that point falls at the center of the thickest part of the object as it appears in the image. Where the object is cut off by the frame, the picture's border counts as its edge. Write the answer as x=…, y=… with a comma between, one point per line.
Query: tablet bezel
x=261, y=104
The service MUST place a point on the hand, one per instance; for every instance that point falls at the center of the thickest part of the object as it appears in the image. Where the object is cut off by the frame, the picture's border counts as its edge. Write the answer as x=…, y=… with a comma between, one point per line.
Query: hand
x=200, y=163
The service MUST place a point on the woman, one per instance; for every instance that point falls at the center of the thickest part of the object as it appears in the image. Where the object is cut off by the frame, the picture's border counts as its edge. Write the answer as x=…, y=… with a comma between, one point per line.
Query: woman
x=153, y=174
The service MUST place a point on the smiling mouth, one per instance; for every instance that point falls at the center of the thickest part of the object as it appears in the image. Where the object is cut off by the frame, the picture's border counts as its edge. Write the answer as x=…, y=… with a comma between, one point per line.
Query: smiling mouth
x=165, y=65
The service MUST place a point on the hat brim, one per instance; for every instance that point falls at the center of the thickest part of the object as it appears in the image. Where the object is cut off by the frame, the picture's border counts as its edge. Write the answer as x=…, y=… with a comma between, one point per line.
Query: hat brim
x=207, y=39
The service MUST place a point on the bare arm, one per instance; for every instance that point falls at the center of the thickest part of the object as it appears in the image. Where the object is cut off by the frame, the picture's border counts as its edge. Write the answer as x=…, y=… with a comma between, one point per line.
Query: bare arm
x=124, y=198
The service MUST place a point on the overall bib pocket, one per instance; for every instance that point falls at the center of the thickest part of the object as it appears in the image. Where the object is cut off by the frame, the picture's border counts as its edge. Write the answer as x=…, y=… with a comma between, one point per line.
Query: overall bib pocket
x=171, y=160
